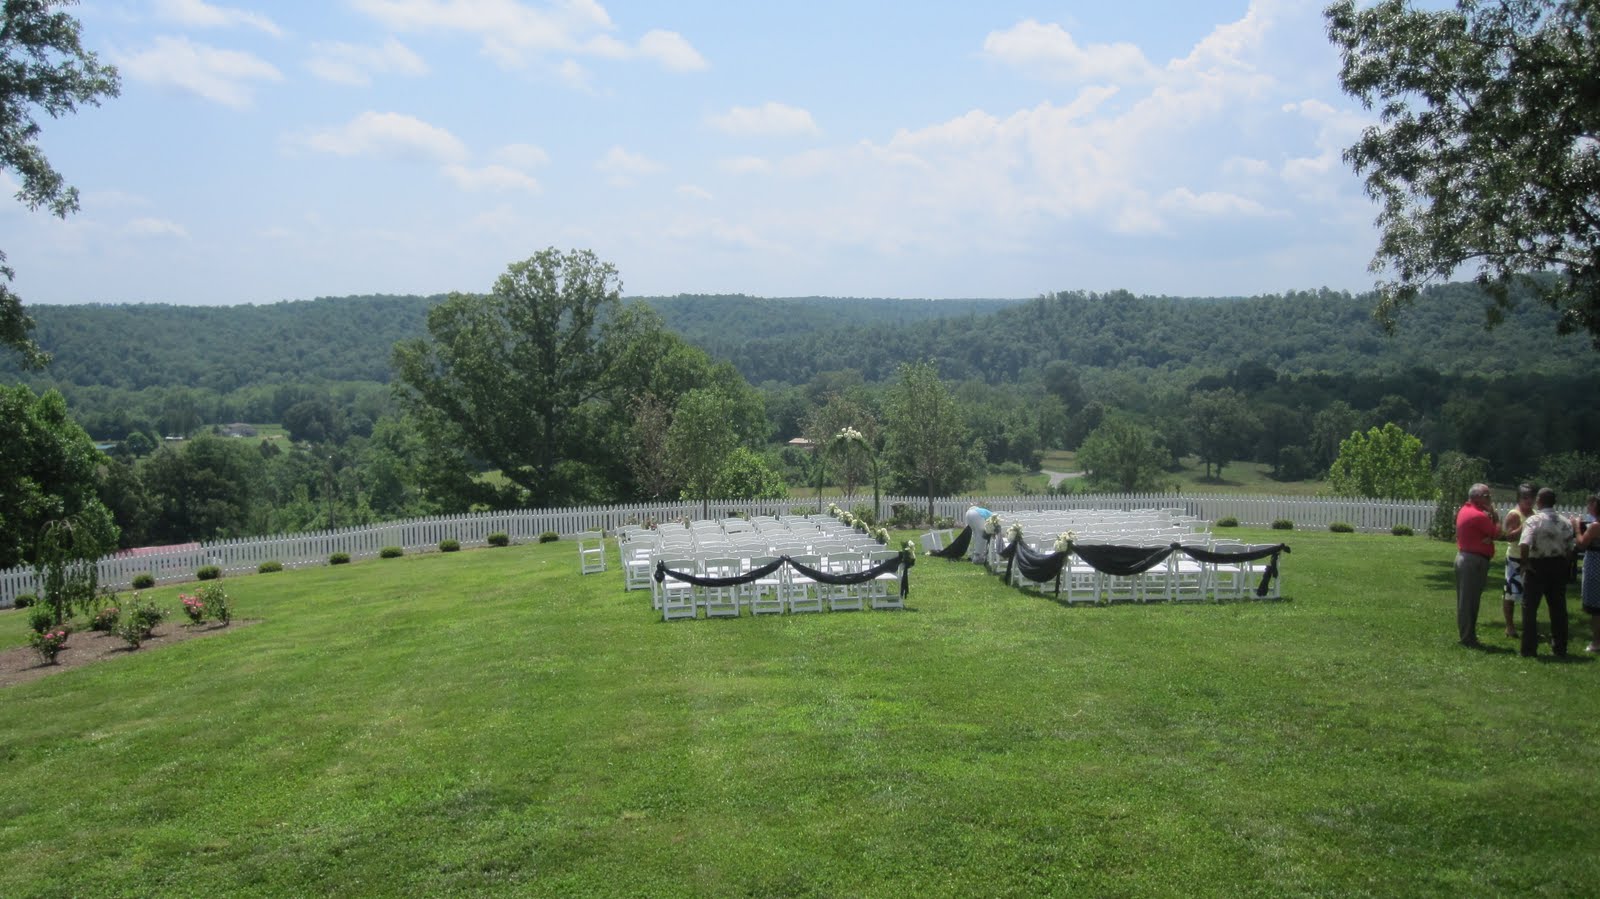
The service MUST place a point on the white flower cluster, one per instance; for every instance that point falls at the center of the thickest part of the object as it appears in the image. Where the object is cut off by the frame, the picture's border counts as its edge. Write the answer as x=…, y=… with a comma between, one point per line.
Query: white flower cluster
x=991, y=526
x=1064, y=542
x=851, y=434
x=1015, y=533
x=833, y=509
x=882, y=536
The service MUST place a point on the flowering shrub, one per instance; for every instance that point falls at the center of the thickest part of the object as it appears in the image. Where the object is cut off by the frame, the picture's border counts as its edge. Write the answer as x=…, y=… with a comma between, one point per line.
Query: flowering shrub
x=105, y=620
x=130, y=631
x=193, y=607
x=41, y=619
x=48, y=644
x=214, y=603
x=145, y=616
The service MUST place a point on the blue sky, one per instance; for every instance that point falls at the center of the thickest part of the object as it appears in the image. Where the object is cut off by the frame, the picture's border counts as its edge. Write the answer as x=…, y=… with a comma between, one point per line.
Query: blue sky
x=263, y=151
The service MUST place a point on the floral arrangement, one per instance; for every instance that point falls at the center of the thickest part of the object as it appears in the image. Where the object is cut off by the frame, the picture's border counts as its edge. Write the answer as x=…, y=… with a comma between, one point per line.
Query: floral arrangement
x=991, y=526
x=908, y=552
x=861, y=525
x=833, y=509
x=48, y=644
x=882, y=536
x=847, y=518
x=193, y=607
x=1015, y=533
x=1065, y=541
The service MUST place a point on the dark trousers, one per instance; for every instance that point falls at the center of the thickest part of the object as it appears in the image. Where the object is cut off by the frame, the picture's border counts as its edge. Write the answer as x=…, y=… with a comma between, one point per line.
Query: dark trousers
x=1472, y=574
x=1545, y=579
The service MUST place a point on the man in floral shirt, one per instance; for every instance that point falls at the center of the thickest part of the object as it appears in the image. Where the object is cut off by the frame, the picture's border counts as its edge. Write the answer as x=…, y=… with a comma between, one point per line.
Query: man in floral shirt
x=1545, y=552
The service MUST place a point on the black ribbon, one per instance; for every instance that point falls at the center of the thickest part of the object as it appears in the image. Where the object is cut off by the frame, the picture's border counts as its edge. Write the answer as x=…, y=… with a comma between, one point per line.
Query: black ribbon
x=957, y=548
x=901, y=563
x=1126, y=561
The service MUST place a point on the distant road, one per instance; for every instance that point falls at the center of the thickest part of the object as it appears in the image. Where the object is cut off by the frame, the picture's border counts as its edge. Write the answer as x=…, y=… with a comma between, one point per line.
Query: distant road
x=1056, y=477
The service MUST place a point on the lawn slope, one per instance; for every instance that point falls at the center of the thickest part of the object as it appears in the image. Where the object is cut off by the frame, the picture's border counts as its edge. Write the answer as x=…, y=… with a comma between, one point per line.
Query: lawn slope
x=489, y=722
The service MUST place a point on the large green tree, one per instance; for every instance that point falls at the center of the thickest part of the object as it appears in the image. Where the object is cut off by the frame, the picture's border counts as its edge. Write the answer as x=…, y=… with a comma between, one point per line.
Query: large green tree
x=1120, y=455
x=43, y=68
x=928, y=446
x=1221, y=427
x=47, y=474
x=527, y=371
x=1487, y=149
x=1384, y=462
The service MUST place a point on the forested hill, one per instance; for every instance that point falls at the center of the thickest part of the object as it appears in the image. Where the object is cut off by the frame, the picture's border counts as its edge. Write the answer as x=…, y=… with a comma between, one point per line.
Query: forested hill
x=223, y=348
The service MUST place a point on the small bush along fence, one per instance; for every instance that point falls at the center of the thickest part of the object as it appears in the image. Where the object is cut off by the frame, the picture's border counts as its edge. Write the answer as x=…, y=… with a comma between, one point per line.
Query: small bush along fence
x=1229, y=522
x=1283, y=524
x=549, y=537
x=207, y=573
x=339, y=559
x=391, y=552
x=448, y=545
x=144, y=581
x=269, y=567
x=1401, y=530
x=499, y=538
x=1340, y=527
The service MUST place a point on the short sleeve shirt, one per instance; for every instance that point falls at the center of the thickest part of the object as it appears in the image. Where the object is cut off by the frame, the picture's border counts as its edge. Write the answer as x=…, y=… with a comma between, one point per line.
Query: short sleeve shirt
x=1548, y=536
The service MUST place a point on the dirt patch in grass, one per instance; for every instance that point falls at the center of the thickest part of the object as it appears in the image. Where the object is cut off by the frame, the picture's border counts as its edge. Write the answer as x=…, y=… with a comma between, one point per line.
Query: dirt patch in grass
x=20, y=665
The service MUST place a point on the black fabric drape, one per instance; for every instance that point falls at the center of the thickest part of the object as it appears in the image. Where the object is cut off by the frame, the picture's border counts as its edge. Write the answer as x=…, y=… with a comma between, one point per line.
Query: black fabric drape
x=1125, y=561
x=887, y=566
x=957, y=547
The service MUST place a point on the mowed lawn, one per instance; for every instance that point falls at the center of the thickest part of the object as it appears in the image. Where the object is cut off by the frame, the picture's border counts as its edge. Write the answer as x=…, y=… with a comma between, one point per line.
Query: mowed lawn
x=490, y=723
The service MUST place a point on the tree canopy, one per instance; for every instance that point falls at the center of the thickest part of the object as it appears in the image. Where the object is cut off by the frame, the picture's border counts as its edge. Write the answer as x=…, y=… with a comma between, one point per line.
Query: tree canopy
x=43, y=68
x=47, y=474
x=1487, y=149
x=1384, y=462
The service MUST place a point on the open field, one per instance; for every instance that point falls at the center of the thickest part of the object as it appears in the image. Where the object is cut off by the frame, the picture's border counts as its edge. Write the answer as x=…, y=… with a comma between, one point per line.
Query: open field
x=489, y=723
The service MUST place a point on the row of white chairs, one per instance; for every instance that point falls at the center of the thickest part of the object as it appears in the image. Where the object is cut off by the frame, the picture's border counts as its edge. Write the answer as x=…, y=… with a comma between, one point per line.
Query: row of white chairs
x=1179, y=578
x=785, y=590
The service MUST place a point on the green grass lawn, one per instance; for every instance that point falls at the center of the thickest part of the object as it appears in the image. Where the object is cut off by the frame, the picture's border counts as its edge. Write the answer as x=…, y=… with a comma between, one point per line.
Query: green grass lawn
x=488, y=722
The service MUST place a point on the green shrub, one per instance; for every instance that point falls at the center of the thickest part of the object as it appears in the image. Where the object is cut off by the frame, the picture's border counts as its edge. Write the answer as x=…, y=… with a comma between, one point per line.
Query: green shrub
x=391, y=552
x=144, y=616
x=339, y=559
x=1228, y=522
x=1283, y=524
x=269, y=567
x=41, y=619
x=24, y=600
x=499, y=538
x=448, y=545
x=1340, y=527
x=549, y=537
x=214, y=600
x=207, y=573
x=105, y=620
x=1402, y=530
x=144, y=581
x=863, y=512
x=130, y=631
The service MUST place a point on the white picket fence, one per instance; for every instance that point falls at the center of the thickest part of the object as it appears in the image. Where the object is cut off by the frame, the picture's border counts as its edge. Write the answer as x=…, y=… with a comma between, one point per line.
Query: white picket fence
x=243, y=555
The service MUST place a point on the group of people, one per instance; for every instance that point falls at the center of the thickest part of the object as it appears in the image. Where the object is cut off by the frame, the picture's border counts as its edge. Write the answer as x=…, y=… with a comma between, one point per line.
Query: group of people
x=1541, y=548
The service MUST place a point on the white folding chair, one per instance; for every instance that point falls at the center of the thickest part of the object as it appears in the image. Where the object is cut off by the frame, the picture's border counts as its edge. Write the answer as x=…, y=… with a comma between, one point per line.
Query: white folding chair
x=845, y=597
x=591, y=553
x=801, y=593
x=677, y=597
x=764, y=596
x=719, y=602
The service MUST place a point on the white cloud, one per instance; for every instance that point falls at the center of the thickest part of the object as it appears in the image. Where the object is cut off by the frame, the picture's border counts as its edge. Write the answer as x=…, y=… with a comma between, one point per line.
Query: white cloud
x=1052, y=51
x=524, y=156
x=490, y=177
x=622, y=166
x=512, y=33
x=745, y=165
x=1244, y=165
x=154, y=227
x=386, y=134
x=694, y=192
x=355, y=64
x=199, y=14
x=1211, y=204
x=672, y=50
x=222, y=76
x=770, y=119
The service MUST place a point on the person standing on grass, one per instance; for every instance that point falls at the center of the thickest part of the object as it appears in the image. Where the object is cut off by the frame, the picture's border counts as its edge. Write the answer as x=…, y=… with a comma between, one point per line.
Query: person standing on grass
x=1589, y=544
x=1546, y=547
x=1477, y=524
x=1512, y=530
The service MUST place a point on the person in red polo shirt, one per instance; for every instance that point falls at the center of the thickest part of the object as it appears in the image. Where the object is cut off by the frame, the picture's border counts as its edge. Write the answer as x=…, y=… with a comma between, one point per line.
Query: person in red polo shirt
x=1477, y=526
